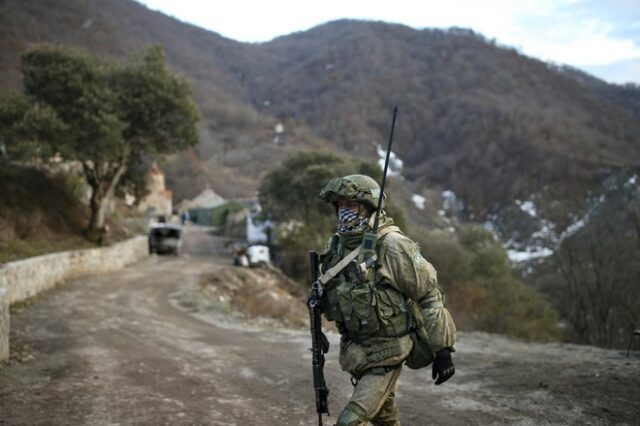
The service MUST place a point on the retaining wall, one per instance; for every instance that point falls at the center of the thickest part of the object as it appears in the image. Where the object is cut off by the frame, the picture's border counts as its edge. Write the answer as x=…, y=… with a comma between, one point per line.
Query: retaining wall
x=26, y=278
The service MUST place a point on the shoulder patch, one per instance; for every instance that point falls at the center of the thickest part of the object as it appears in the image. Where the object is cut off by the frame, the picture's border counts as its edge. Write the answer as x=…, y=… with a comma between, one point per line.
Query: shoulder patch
x=417, y=259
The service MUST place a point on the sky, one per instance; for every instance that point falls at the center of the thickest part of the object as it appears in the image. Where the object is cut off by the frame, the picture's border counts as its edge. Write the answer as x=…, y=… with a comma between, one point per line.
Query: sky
x=601, y=37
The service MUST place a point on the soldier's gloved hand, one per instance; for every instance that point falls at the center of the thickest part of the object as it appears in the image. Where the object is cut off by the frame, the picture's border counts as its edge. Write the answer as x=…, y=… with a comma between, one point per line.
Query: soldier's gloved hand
x=443, y=367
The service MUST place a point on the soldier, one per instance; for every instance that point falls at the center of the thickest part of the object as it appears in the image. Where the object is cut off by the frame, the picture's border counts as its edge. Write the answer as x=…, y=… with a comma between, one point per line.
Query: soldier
x=379, y=307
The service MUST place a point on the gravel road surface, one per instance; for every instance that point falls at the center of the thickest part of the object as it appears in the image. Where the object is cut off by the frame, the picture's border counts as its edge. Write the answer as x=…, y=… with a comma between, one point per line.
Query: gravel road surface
x=142, y=347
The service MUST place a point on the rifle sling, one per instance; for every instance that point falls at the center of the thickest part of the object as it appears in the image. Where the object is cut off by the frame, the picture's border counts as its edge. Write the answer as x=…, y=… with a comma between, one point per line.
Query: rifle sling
x=331, y=273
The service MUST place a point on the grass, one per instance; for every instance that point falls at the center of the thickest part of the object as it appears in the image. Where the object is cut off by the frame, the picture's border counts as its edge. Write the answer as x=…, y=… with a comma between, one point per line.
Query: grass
x=17, y=249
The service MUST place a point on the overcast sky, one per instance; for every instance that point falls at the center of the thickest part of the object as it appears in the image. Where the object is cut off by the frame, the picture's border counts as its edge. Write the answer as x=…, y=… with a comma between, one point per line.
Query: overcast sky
x=601, y=37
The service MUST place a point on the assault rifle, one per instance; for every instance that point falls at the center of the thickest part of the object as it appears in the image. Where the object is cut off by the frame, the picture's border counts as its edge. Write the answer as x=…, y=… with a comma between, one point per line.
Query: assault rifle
x=319, y=342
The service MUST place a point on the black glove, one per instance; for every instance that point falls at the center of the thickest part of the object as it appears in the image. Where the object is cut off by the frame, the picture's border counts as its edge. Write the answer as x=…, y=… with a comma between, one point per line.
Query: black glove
x=443, y=367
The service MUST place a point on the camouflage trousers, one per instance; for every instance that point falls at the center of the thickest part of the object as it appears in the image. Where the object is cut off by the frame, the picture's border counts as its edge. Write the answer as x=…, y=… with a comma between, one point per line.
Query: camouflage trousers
x=373, y=400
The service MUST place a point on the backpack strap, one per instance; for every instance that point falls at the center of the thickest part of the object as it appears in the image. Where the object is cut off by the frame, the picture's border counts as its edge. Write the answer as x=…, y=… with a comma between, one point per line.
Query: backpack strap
x=382, y=249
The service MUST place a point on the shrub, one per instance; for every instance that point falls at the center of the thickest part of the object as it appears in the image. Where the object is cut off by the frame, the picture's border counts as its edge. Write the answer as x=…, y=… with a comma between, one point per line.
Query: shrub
x=482, y=290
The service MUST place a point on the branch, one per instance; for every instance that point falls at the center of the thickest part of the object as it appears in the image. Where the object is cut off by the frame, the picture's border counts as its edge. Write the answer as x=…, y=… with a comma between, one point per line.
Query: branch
x=122, y=168
x=90, y=174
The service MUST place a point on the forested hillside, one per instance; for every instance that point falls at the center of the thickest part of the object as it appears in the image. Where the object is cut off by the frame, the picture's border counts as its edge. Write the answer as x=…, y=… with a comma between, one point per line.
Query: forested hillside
x=473, y=115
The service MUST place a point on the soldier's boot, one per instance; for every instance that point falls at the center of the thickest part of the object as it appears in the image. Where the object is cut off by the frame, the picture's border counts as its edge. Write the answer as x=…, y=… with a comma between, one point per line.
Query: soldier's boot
x=352, y=415
x=388, y=414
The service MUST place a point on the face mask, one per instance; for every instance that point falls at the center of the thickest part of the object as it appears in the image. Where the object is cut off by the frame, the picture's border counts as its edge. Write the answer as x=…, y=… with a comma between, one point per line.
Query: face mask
x=346, y=215
x=349, y=221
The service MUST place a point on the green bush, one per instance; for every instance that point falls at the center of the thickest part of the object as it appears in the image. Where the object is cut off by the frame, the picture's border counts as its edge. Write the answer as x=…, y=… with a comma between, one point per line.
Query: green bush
x=71, y=186
x=482, y=290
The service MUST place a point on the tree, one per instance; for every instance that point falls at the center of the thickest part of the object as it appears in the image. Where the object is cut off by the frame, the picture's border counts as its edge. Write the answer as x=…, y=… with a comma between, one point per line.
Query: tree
x=24, y=126
x=114, y=114
x=599, y=267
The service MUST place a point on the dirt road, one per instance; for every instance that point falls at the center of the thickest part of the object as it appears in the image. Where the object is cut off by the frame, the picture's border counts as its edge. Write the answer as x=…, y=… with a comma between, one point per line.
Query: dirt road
x=142, y=347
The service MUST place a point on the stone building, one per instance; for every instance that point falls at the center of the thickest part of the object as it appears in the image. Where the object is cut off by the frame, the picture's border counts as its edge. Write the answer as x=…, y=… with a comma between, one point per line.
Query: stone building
x=159, y=201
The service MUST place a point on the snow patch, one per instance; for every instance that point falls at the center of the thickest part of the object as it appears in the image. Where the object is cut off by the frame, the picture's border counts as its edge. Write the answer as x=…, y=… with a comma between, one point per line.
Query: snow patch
x=546, y=231
x=528, y=207
x=449, y=199
x=490, y=225
x=574, y=227
x=529, y=254
x=584, y=220
x=419, y=201
x=395, y=163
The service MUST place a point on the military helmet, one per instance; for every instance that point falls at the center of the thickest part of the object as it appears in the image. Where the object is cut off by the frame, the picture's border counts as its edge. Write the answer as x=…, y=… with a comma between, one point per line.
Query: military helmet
x=360, y=188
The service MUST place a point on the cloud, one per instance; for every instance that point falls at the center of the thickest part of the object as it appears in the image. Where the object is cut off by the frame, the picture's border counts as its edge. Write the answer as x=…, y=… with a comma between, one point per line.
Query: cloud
x=618, y=72
x=567, y=32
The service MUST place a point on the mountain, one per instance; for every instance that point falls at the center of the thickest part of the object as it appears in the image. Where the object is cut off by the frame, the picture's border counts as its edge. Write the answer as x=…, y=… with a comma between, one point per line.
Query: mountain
x=477, y=118
x=231, y=128
x=484, y=121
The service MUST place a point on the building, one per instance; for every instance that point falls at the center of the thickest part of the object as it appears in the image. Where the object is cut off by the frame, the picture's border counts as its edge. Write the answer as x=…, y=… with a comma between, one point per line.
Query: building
x=159, y=201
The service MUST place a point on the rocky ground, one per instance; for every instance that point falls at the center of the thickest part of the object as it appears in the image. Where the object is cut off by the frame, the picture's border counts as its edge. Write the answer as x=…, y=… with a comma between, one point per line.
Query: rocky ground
x=166, y=342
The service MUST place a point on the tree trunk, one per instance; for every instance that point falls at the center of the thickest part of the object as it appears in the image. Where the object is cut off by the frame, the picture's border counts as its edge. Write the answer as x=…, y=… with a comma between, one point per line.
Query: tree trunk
x=98, y=206
x=102, y=189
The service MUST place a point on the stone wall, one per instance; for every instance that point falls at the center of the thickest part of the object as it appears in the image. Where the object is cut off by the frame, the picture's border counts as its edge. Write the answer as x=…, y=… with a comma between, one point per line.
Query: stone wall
x=26, y=278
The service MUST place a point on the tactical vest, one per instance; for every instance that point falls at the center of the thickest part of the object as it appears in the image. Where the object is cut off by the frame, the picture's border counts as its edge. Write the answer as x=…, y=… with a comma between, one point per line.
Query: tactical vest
x=362, y=306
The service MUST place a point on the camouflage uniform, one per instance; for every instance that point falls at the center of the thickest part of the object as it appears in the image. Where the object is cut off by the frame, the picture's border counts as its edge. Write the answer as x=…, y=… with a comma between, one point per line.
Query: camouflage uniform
x=372, y=307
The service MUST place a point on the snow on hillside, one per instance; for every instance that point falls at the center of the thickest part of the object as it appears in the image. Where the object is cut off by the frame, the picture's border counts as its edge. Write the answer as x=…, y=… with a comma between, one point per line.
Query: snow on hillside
x=395, y=163
x=418, y=201
x=530, y=236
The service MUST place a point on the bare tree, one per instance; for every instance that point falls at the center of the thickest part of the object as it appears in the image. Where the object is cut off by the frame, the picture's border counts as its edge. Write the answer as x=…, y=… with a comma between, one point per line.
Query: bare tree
x=600, y=267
